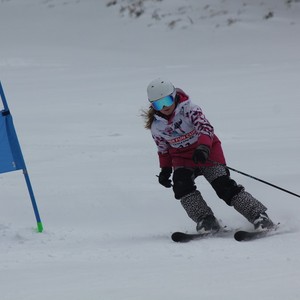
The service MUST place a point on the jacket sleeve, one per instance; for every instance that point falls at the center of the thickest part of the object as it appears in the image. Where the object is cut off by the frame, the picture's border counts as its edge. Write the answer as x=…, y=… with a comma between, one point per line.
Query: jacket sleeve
x=163, y=151
x=203, y=128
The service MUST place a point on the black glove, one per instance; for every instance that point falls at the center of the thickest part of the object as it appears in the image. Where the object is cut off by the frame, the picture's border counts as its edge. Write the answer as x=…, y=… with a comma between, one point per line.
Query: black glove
x=164, y=177
x=201, y=154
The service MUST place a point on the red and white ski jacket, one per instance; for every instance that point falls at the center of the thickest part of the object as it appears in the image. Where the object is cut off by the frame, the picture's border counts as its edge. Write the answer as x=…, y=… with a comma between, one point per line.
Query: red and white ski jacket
x=177, y=136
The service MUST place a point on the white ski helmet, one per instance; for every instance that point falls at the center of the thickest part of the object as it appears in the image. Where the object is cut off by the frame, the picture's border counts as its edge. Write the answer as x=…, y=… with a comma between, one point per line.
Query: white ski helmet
x=159, y=88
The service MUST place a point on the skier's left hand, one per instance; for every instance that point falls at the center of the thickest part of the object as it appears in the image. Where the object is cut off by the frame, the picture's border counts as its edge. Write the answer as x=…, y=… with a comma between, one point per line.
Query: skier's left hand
x=201, y=154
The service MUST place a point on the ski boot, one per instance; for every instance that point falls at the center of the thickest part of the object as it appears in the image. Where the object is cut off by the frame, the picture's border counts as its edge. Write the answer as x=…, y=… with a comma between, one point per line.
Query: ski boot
x=262, y=222
x=208, y=224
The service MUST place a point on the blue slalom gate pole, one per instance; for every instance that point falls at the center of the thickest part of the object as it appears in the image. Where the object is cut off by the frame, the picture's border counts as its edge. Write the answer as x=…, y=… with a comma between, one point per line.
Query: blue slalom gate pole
x=33, y=202
x=12, y=157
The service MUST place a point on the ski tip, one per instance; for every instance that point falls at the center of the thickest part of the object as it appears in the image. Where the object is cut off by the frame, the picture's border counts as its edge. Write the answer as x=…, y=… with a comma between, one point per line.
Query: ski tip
x=179, y=237
x=239, y=236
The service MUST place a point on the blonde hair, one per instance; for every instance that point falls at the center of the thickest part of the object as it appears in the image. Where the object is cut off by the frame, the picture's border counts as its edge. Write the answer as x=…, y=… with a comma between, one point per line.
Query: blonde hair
x=148, y=116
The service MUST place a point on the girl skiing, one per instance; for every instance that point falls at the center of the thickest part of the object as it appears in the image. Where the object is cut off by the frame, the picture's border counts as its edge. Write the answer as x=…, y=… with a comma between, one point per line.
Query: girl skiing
x=188, y=147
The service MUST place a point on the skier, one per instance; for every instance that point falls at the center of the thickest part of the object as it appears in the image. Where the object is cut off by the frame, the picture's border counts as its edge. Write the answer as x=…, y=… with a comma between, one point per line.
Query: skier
x=188, y=147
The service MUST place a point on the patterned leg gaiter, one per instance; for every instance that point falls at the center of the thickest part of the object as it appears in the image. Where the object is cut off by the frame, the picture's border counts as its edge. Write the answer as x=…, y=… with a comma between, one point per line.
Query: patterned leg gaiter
x=247, y=205
x=195, y=206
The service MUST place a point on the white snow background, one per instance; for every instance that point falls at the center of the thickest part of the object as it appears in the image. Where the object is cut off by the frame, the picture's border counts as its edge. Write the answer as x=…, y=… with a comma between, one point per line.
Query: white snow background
x=75, y=74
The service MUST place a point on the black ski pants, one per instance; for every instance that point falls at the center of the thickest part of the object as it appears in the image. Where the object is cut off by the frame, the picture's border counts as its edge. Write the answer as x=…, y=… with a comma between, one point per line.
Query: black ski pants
x=218, y=176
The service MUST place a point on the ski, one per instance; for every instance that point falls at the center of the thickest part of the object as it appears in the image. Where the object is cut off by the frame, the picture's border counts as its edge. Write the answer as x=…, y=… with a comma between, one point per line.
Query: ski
x=182, y=237
x=243, y=235
x=240, y=235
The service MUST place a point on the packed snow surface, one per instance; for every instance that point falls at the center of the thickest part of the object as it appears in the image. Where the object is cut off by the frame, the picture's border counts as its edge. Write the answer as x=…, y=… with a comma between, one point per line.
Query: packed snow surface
x=75, y=74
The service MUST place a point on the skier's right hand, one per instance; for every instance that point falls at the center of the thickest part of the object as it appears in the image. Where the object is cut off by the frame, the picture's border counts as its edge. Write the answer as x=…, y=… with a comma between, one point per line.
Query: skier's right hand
x=164, y=177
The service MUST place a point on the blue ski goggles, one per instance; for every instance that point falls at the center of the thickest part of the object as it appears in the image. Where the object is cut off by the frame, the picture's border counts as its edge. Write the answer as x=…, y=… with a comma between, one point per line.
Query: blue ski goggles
x=161, y=103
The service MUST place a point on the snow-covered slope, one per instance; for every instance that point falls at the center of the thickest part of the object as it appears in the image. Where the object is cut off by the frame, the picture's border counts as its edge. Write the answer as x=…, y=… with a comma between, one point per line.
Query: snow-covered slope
x=75, y=74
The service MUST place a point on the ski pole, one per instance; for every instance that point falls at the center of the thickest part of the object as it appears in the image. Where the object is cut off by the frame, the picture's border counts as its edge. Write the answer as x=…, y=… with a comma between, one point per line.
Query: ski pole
x=258, y=179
